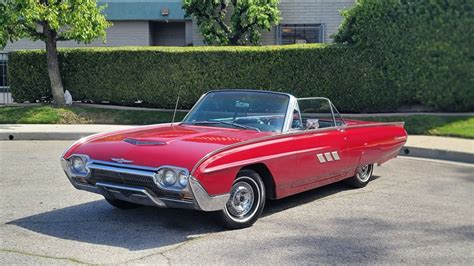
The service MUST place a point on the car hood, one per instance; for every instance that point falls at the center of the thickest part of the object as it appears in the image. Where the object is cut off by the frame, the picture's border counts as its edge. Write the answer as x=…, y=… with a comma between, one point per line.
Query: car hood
x=158, y=145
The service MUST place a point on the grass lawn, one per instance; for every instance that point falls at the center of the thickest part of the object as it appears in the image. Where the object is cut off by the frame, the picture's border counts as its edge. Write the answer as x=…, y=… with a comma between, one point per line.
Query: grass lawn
x=458, y=126
x=82, y=115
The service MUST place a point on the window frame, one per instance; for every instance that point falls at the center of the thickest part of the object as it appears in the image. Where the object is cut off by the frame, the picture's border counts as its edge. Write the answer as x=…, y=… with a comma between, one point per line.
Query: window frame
x=332, y=108
x=4, y=71
x=296, y=108
x=319, y=26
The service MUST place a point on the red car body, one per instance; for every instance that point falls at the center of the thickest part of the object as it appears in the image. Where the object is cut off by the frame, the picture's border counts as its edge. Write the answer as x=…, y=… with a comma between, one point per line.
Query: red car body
x=289, y=162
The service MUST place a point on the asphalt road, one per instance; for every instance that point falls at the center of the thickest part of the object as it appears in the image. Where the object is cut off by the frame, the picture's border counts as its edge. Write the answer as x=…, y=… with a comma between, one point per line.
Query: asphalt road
x=415, y=211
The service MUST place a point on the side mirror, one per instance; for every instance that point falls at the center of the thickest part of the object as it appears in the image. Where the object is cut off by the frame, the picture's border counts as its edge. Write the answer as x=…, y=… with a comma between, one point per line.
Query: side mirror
x=312, y=123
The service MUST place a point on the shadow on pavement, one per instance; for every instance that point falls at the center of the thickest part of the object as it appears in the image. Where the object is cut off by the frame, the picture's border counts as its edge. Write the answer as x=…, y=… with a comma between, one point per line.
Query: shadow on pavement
x=274, y=206
x=97, y=222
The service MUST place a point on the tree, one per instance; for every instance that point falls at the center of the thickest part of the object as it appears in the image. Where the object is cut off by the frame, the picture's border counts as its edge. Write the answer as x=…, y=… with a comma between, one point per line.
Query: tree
x=51, y=21
x=244, y=25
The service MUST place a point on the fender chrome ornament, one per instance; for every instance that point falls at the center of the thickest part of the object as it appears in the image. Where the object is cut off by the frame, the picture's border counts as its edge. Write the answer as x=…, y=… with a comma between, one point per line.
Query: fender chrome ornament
x=328, y=156
x=121, y=160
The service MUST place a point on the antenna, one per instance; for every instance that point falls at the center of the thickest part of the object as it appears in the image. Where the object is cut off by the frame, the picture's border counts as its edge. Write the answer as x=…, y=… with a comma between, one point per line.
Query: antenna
x=175, y=108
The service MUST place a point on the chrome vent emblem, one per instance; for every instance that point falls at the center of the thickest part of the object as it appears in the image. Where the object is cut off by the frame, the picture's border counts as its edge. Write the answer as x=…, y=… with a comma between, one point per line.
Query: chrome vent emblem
x=121, y=160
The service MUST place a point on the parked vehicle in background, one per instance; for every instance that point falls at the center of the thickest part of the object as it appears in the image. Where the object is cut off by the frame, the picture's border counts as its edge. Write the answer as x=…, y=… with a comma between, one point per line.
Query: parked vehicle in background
x=233, y=151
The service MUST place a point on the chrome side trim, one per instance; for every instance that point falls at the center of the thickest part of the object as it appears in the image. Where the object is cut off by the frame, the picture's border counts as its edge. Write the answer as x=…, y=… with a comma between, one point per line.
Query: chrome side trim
x=400, y=138
x=203, y=200
x=376, y=124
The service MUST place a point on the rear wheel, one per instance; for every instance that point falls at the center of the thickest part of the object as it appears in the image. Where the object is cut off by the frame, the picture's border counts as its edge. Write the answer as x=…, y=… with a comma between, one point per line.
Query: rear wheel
x=246, y=201
x=362, y=177
x=120, y=204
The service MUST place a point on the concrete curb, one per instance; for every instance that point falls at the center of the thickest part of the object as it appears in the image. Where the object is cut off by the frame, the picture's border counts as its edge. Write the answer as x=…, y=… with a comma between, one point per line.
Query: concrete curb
x=437, y=154
x=44, y=135
x=53, y=132
x=129, y=108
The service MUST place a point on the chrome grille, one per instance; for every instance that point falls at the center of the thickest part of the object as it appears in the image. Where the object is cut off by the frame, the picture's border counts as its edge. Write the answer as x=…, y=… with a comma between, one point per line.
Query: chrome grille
x=98, y=175
x=122, y=178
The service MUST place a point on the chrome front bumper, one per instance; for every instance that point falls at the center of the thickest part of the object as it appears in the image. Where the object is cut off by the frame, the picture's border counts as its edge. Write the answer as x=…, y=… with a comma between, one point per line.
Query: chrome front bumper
x=194, y=196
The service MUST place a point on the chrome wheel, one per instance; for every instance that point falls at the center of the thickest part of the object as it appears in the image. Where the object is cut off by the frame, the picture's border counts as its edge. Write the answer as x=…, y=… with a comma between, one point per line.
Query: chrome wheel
x=364, y=173
x=244, y=199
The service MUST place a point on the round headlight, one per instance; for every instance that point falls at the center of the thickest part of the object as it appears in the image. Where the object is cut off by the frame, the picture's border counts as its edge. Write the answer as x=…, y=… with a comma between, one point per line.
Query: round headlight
x=79, y=165
x=170, y=177
x=159, y=176
x=183, y=179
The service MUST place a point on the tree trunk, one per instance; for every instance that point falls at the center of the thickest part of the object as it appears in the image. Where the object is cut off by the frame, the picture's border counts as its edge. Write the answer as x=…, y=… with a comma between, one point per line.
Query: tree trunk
x=234, y=40
x=53, y=66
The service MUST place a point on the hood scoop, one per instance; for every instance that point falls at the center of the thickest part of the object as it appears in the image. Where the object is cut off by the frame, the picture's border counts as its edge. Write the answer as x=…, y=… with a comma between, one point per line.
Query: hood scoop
x=144, y=142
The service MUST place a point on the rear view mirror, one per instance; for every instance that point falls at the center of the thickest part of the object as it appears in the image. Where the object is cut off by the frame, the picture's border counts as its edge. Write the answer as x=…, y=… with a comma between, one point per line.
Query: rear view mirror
x=239, y=104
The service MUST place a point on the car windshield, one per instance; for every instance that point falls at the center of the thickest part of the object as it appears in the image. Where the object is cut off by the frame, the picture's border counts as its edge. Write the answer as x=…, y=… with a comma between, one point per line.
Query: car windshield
x=259, y=111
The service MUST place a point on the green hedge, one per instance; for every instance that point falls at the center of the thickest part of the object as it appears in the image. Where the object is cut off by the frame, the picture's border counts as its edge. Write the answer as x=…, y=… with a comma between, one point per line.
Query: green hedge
x=155, y=75
x=424, y=47
x=354, y=80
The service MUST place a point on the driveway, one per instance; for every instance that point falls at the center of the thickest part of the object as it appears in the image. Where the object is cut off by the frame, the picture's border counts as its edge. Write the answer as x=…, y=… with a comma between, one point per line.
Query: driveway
x=415, y=211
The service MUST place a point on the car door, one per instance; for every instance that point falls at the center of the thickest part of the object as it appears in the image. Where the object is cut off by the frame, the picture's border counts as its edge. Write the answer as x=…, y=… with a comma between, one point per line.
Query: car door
x=321, y=148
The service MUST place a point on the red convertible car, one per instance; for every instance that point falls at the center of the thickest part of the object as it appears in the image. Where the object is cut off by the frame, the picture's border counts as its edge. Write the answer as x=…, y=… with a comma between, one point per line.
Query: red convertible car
x=233, y=151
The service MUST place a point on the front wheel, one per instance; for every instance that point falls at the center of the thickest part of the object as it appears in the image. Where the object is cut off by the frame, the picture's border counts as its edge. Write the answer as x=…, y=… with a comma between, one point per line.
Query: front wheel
x=362, y=177
x=246, y=201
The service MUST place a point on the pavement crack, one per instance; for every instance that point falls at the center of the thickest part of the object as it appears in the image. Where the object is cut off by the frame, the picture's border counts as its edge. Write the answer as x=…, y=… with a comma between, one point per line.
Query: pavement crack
x=163, y=253
x=44, y=256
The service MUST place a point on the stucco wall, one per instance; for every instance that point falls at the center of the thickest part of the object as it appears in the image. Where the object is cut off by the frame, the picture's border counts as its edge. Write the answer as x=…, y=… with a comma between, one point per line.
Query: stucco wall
x=303, y=12
x=129, y=33
x=137, y=33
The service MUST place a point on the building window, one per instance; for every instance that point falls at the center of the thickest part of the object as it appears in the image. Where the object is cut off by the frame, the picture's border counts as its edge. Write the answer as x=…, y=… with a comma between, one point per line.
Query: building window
x=300, y=33
x=3, y=71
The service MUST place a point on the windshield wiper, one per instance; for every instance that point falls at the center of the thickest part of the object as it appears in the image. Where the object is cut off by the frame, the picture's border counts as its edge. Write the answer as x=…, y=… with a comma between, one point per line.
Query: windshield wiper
x=225, y=123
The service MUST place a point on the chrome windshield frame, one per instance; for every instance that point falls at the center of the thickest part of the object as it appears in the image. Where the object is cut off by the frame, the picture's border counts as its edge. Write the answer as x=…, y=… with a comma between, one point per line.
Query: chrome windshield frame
x=286, y=120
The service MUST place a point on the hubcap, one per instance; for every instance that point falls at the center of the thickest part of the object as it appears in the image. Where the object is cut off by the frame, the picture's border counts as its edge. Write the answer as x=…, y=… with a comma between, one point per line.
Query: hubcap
x=364, y=173
x=241, y=199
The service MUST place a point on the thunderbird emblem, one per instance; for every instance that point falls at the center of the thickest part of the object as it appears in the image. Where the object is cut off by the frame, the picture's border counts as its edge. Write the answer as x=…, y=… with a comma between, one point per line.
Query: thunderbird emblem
x=121, y=160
